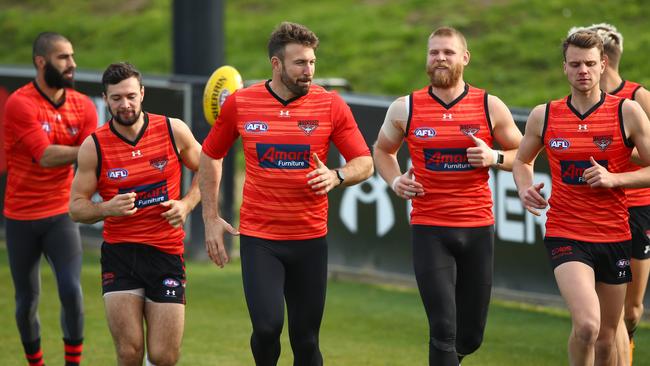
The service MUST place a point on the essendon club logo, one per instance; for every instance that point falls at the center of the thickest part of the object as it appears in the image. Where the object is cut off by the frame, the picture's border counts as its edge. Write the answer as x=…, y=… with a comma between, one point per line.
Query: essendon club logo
x=159, y=163
x=572, y=171
x=470, y=129
x=603, y=142
x=308, y=126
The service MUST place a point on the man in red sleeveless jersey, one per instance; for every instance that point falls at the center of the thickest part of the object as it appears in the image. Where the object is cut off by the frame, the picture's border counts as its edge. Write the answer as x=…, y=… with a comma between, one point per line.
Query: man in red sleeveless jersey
x=286, y=125
x=134, y=162
x=45, y=121
x=450, y=128
x=588, y=137
x=638, y=200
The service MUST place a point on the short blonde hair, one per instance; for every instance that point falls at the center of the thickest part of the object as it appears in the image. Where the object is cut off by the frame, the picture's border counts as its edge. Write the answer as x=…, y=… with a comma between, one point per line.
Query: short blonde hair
x=450, y=32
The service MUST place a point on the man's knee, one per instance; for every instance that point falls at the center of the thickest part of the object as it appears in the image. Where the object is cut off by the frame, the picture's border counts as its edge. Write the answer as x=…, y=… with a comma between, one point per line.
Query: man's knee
x=468, y=344
x=130, y=354
x=26, y=305
x=443, y=336
x=586, y=332
x=167, y=357
x=633, y=313
x=269, y=332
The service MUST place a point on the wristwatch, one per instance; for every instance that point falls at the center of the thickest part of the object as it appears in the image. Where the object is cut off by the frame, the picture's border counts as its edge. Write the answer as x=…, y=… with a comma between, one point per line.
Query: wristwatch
x=500, y=158
x=340, y=176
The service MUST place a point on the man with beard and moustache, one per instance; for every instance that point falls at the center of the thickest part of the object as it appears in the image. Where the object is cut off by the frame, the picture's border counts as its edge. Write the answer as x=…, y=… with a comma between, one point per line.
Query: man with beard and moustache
x=45, y=121
x=134, y=162
x=286, y=125
x=449, y=127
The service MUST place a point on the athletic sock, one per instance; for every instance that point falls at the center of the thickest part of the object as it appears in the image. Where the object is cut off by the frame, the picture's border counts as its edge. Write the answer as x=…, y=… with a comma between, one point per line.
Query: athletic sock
x=33, y=353
x=73, y=348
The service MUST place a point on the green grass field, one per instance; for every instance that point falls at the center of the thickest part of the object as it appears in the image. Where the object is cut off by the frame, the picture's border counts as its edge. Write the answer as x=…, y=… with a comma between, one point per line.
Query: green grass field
x=363, y=325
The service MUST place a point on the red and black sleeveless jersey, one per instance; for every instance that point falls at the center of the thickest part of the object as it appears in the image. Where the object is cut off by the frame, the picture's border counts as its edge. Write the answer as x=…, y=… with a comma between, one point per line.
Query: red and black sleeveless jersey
x=578, y=211
x=32, y=123
x=438, y=136
x=635, y=196
x=279, y=138
x=150, y=167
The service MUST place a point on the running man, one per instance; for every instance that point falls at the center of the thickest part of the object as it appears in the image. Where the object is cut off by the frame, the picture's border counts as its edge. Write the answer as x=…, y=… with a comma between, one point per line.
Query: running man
x=450, y=128
x=588, y=137
x=45, y=122
x=638, y=200
x=286, y=125
x=134, y=161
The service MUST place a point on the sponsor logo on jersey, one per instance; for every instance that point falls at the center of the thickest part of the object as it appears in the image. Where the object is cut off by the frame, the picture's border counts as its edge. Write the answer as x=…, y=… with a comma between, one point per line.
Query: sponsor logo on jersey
x=308, y=125
x=446, y=160
x=623, y=263
x=136, y=153
x=582, y=127
x=149, y=194
x=603, y=142
x=572, y=170
x=470, y=129
x=45, y=125
x=117, y=173
x=170, y=282
x=424, y=132
x=256, y=127
x=284, y=114
x=159, y=163
x=447, y=116
x=283, y=156
x=559, y=144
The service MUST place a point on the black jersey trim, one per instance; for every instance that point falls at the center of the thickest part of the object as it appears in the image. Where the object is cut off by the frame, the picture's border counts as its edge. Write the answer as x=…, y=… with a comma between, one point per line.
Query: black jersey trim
x=487, y=114
x=590, y=111
x=634, y=92
x=410, y=115
x=55, y=105
x=618, y=88
x=99, y=155
x=629, y=143
x=172, y=138
x=284, y=102
x=453, y=102
x=546, y=113
x=138, y=137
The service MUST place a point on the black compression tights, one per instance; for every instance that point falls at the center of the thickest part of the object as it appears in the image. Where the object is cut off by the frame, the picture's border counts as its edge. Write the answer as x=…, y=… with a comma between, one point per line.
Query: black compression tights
x=453, y=269
x=57, y=238
x=277, y=271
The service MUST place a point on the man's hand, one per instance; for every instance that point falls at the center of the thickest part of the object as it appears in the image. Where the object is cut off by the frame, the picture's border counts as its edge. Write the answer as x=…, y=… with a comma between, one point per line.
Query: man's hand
x=480, y=156
x=122, y=204
x=532, y=199
x=322, y=179
x=214, y=229
x=177, y=213
x=597, y=176
x=406, y=187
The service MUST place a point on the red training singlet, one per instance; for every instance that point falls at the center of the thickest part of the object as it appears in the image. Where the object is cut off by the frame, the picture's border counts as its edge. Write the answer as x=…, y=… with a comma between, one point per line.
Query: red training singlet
x=578, y=211
x=635, y=196
x=32, y=123
x=279, y=138
x=437, y=135
x=149, y=166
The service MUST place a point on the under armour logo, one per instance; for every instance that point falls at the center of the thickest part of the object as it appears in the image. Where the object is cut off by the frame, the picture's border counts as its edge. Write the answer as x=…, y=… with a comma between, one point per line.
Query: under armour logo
x=136, y=153
x=284, y=114
x=447, y=116
x=582, y=127
x=647, y=249
x=170, y=293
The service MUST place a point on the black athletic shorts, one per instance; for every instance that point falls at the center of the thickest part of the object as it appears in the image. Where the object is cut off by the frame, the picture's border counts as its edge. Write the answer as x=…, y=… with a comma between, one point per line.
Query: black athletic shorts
x=640, y=227
x=127, y=266
x=610, y=261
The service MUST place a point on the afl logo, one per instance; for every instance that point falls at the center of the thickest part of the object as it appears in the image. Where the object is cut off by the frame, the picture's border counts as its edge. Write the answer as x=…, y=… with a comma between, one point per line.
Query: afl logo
x=170, y=282
x=256, y=127
x=117, y=174
x=623, y=263
x=424, y=132
x=558, y=144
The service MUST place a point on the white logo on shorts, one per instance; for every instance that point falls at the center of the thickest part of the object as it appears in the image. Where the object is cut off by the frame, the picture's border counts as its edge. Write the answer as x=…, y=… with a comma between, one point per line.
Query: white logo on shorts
x=647, y=249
